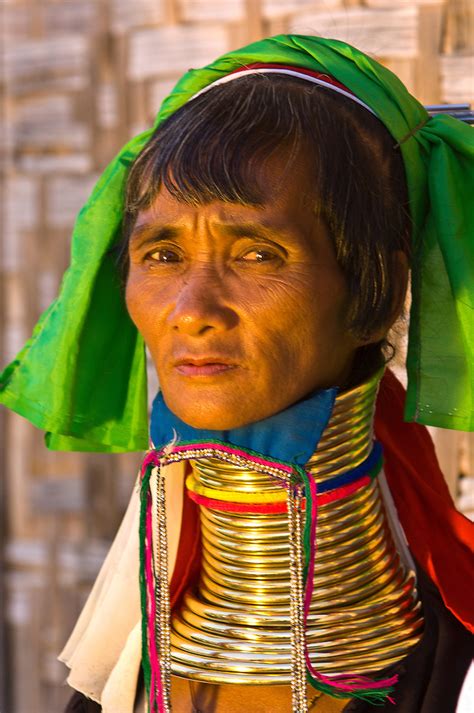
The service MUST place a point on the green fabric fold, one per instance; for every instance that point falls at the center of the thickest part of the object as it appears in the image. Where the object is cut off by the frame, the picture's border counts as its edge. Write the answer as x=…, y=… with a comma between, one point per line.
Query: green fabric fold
x=82, y=375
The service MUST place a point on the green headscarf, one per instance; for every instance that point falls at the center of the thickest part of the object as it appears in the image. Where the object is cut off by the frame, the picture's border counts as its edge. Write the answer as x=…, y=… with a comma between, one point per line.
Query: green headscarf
x=82, y=375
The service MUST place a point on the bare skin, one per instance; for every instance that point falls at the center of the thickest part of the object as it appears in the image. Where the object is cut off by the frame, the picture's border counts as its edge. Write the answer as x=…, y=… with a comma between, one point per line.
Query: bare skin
x=233, y=300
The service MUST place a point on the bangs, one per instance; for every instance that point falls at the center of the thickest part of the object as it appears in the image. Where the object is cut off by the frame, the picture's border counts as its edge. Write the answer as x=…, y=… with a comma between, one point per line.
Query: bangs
x=213, y=148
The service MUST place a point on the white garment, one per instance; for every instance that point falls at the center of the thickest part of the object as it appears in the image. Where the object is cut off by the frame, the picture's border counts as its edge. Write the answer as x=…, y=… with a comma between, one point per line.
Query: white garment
x=104, y=649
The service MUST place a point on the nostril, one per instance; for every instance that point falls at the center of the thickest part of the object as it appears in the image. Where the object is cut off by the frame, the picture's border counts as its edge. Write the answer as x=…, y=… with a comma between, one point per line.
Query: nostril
x=197, y=316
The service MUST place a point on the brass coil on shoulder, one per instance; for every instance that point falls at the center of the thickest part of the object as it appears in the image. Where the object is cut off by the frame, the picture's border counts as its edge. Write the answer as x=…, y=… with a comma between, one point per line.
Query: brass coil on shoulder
x=364, y=614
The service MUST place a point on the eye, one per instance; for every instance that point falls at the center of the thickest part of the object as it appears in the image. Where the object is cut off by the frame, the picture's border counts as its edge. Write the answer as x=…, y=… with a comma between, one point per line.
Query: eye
x=164, y=255
x=259, y=255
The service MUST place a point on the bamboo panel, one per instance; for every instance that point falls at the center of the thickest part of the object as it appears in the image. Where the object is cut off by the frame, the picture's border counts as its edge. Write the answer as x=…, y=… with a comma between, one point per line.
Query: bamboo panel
x=459, y=27
x=455, y=451
x=52, y=64
x=430, y=25
x=466, y=482
x=16, y=22
x=107, y=106
x=6, y=138
x=23, y=615
x=73, y=557
x=447, y=445
x=457, y=78
x=56, y=163
x=20, y=210
x=46, y=123
x=274, y=8
x=19, y=221
x=22, y=19
x=210, y=11
x=384, y=33
x=46, y=588
x=65, y=196
x=125, y=15
x=158, y=91
x=403, y=3
x=405, y=69
x=14, y=330
x=38, y=116
x=68, y=17
x=171, y=50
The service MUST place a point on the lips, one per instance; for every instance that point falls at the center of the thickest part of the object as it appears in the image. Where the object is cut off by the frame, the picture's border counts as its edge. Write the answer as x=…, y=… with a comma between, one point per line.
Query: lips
x=211, y=365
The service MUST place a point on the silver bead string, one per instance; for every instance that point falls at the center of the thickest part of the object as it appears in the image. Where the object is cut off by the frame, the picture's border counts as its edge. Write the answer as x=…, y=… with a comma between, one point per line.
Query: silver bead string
x=162, y=596
x=298, y=665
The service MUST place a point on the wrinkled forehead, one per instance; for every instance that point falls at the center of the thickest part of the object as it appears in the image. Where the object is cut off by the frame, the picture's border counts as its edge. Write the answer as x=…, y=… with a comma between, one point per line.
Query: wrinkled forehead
x=286, y=206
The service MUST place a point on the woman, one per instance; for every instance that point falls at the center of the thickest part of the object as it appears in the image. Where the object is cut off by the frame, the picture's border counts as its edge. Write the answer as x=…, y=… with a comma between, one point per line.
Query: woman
x=269, y=222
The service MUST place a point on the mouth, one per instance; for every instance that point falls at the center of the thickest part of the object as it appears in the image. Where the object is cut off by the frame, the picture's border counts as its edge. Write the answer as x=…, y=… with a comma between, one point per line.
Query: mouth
x=203, y=366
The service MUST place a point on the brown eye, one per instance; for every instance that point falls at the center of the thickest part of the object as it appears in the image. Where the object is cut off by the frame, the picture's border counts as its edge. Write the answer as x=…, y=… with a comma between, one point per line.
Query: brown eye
x=165, y=256
x=259, y=255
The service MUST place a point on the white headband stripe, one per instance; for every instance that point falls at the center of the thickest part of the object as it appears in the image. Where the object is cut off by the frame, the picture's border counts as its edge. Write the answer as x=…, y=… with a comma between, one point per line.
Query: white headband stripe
x=291, y=72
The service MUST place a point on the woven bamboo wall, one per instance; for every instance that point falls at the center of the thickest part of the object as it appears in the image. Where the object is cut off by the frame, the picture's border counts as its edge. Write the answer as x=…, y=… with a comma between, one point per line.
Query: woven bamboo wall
x=79, y=78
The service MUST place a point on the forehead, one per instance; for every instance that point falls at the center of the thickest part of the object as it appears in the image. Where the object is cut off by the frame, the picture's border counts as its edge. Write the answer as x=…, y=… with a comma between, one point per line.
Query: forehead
x=286, y=198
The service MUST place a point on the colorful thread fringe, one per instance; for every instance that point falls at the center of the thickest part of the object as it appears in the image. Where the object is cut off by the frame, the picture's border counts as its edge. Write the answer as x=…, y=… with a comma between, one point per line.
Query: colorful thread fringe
x=289, y=476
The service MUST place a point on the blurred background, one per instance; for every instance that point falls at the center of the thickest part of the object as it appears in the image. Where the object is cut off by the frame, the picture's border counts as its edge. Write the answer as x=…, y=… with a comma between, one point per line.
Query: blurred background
x=78, y=78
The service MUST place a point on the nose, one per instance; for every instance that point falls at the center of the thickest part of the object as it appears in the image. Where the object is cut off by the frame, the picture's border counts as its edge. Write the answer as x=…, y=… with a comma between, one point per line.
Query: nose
x=200, y=305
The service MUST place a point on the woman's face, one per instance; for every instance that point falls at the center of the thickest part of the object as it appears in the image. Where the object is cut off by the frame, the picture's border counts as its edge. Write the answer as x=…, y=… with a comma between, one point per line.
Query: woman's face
x=242, y=308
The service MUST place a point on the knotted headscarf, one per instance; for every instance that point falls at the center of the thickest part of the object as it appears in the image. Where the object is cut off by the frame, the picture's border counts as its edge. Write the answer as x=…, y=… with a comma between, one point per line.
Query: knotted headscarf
x=82, y=375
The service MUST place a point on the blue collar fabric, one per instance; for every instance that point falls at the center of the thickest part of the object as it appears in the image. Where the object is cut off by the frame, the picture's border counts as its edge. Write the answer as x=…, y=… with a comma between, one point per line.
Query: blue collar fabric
x=292, y=435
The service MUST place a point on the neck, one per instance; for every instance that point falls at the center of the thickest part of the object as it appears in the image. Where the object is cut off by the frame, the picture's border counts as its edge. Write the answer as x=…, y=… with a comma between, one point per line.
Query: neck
x=245, y=581
x=348, y=437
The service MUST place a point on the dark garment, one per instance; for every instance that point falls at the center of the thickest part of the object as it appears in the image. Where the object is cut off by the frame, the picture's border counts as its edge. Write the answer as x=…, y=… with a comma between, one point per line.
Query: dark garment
x=80, y=704
x=430, y=677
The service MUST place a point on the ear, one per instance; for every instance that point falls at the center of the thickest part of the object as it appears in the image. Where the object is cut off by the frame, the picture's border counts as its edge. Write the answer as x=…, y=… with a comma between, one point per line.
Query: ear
x=400, y=270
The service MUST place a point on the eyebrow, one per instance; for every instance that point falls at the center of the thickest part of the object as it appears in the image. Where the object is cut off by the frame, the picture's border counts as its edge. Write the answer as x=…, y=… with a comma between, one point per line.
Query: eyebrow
x=148, y=233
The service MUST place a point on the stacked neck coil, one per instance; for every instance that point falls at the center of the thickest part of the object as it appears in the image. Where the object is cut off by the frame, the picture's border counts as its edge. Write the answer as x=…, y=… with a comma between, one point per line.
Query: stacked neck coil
x=365, y=613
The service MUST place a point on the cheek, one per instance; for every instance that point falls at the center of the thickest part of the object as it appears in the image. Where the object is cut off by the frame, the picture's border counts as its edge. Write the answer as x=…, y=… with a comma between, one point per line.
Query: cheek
x=303, y=325
x=144, y=306
x=134, y=300
x=302, y=306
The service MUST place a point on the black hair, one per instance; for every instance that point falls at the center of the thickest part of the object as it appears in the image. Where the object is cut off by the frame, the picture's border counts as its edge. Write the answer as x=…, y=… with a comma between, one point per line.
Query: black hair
x=209, y=150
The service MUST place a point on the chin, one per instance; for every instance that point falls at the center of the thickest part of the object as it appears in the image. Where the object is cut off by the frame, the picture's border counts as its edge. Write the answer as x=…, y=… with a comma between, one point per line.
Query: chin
x=211, y=421
x=210, y=416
